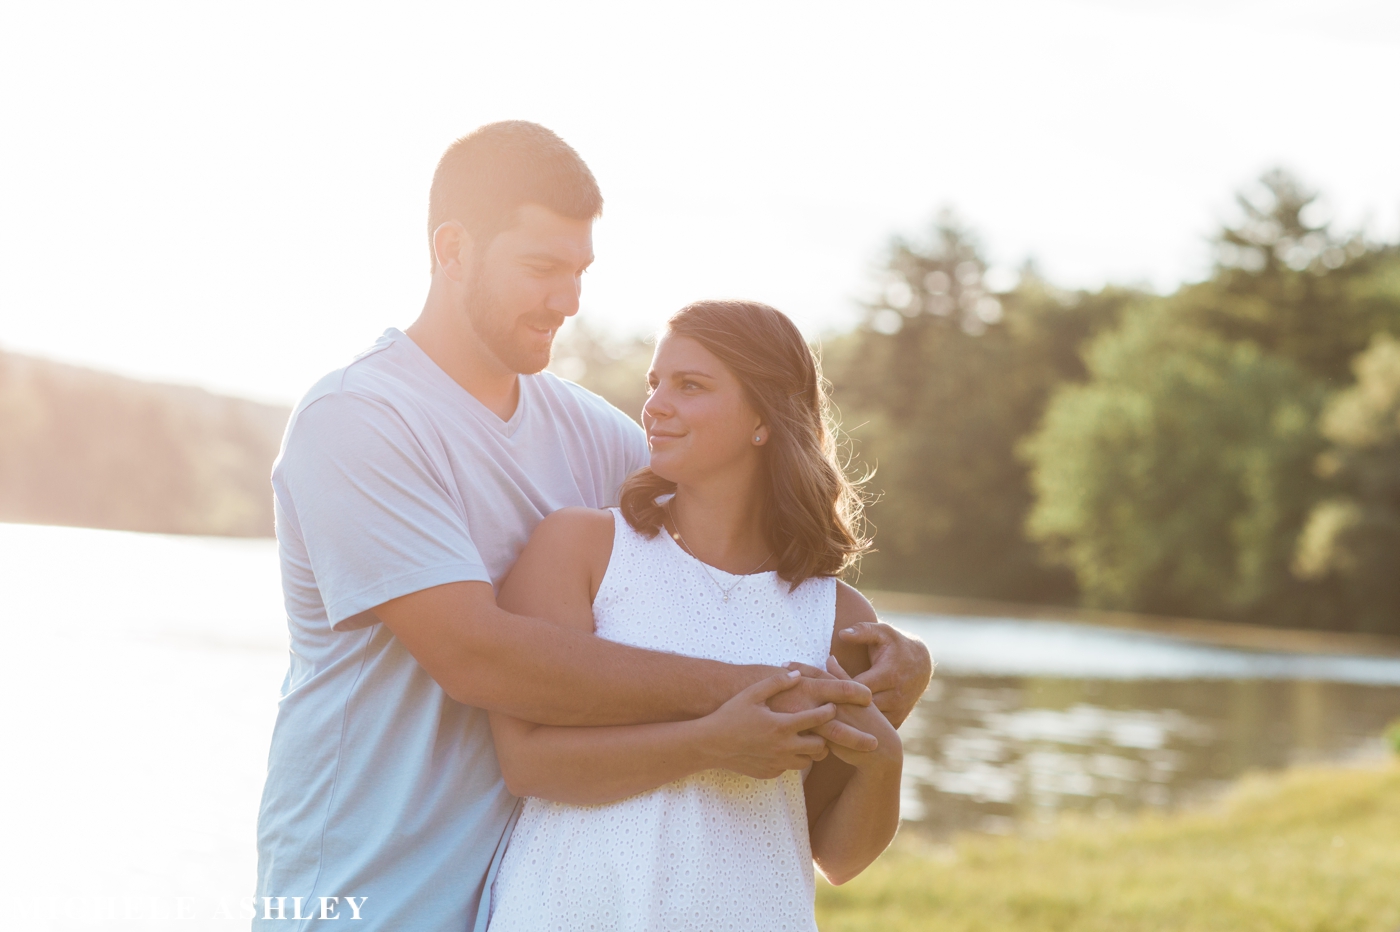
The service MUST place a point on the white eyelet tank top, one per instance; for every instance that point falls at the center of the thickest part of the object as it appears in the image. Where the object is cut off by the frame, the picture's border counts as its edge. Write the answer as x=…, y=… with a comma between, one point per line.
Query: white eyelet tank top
x=716, y=850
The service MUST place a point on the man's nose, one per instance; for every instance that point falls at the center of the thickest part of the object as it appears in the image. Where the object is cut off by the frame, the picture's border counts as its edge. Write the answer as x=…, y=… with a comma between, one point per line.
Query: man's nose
x=565, y=299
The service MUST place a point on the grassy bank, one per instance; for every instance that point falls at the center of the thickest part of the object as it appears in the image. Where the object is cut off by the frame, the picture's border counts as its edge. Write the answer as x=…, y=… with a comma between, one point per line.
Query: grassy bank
x=1312, y=849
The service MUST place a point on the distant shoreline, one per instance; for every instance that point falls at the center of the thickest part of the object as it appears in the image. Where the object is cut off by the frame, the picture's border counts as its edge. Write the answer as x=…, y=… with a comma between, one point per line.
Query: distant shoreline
x=1220, y=633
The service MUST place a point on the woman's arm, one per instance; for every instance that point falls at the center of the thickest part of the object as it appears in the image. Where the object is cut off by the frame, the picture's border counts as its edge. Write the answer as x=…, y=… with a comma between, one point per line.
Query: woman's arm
x=853, y=798
x=556, y=578
x=598, y=765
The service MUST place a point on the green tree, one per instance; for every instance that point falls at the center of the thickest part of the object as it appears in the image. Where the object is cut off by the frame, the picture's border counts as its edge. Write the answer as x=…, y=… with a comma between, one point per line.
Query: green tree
x=952, y=367
x=1176, y=479
x=1352, y=539
x=1179, y=478
x=1291, y=285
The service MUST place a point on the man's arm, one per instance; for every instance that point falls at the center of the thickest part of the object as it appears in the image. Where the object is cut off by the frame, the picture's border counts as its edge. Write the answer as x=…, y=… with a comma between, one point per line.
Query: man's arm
x=895, y=666
x=900, y=665
x=486, y=656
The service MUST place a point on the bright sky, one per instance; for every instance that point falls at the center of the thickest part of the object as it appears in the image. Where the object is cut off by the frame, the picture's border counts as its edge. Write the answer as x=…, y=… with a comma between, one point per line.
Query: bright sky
x=234, y=195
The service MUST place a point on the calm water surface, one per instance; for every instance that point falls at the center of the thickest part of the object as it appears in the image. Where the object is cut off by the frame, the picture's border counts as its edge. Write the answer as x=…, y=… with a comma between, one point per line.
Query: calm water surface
x=1026, y=719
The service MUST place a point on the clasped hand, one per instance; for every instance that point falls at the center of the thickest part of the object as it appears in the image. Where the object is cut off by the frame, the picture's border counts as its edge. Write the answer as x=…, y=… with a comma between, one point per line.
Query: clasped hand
x=783, y=722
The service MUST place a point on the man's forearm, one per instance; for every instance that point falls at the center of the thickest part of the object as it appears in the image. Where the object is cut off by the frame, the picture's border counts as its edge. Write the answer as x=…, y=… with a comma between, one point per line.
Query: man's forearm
x=548, y=673
x=559, y=676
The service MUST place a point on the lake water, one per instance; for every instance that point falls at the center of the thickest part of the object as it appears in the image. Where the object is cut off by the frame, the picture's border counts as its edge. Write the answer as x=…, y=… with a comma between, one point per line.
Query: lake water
x=1028, y=718
x=141, y=675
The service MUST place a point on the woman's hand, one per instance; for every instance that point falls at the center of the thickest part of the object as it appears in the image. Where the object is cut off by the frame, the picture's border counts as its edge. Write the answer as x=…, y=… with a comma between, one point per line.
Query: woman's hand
x=746, y=736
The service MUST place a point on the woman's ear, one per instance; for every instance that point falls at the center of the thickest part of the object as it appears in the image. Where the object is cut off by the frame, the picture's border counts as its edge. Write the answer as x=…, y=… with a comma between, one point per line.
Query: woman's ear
x=760, y=435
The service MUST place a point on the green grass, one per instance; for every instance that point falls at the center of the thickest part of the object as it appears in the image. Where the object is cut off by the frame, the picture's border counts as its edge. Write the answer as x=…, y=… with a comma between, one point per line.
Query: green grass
x=1311, y=849
x=1392, y=735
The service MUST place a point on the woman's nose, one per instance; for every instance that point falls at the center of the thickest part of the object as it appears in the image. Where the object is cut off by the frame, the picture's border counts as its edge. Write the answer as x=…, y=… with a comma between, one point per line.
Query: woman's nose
x=656, y=406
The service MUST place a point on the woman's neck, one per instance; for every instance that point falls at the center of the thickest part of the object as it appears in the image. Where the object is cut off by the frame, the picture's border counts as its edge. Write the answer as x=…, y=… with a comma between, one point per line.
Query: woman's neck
x=722, y=526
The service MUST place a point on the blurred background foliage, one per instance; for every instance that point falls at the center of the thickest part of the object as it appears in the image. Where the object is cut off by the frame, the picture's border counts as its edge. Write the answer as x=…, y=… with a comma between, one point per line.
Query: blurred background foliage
x=1230, y=450
x=93, y=449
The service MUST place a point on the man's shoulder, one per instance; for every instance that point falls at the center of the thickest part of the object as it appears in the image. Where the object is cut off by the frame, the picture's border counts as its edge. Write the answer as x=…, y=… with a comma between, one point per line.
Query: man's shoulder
x=375, y=376
x=363, y=397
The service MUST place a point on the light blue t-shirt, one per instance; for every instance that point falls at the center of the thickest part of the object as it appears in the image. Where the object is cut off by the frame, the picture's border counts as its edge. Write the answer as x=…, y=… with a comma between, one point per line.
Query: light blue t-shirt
x=393, y=479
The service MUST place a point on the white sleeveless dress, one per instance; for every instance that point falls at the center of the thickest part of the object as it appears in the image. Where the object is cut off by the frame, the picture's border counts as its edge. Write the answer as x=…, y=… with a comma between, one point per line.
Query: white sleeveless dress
x=715, y=850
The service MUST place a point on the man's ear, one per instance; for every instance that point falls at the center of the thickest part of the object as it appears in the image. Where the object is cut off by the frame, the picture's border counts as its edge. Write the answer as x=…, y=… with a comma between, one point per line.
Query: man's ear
x=451, y=245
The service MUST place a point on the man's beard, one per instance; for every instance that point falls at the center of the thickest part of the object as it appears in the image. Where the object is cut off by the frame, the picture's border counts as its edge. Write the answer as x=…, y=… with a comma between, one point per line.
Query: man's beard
x=503, y=335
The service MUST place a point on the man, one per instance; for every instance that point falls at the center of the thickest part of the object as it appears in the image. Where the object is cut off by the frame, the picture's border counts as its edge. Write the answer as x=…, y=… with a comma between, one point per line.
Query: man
x=407, y=484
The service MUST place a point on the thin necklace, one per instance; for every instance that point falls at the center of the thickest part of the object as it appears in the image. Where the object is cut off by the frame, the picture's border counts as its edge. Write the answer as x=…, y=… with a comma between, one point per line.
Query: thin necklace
x=705, y=566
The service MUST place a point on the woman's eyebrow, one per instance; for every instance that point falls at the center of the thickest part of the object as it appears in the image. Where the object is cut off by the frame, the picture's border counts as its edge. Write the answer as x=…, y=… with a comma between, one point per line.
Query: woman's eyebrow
x=686, y=373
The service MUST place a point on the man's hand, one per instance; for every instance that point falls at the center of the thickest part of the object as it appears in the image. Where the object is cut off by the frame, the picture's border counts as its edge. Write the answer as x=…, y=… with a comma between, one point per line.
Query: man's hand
x=900, y=668
x=818, y=688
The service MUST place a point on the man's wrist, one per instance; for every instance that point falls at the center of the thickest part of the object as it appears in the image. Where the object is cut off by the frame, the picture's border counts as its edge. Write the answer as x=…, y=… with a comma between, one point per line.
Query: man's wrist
x=710, y=684
x=734, y=678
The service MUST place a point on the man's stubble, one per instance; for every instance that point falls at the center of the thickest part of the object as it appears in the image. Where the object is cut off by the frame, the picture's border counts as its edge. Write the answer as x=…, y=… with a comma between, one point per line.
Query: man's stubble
x=501, y=332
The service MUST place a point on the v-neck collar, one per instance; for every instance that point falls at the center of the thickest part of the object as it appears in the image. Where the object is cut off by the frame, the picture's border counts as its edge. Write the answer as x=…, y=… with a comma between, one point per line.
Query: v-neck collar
x=448, y=385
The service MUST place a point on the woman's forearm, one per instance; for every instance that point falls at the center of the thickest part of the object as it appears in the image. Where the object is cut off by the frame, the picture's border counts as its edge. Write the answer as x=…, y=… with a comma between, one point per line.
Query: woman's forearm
x=587, y=766
x=860, y=823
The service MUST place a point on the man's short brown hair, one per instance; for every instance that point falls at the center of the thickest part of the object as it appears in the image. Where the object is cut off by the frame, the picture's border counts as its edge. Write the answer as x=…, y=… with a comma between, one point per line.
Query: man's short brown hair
x=486, y=176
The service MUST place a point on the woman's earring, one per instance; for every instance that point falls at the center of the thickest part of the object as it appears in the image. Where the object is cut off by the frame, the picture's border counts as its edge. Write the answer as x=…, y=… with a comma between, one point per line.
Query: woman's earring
x=757, y=438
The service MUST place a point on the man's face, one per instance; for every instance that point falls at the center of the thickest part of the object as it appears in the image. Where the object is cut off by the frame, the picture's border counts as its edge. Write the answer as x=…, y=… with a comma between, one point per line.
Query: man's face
x=525, y=282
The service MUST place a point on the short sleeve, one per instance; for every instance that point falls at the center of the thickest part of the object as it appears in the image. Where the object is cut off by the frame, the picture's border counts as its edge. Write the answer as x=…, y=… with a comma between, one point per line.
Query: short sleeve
x=376, y=518
x=635, y=442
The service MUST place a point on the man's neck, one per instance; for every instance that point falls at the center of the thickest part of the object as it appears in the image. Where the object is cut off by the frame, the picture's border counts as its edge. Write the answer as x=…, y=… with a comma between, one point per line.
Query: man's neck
x=450, y=341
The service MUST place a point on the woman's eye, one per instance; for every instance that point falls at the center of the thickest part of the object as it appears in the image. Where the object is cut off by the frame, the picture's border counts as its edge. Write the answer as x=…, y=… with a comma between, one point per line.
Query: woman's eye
x=689, y=385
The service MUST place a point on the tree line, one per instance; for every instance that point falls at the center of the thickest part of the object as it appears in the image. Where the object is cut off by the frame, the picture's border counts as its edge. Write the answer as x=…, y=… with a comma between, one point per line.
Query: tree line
x=1230, y=450
x=92, y=449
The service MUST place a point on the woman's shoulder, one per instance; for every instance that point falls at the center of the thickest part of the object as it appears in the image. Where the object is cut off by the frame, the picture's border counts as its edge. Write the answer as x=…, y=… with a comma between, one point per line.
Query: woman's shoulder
x=852, y=608
x=575, y=526
x=577, y=518
x=569, y=548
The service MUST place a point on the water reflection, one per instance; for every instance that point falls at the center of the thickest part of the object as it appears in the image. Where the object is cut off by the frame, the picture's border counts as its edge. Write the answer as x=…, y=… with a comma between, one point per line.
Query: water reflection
x=994, y=754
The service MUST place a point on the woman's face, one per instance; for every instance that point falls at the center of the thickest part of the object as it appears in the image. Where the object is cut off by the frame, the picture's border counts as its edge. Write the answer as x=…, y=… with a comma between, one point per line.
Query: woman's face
x=699, y=423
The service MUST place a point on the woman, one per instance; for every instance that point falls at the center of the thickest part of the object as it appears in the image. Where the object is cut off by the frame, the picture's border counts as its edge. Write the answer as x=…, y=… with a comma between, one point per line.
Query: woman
x=727, y=547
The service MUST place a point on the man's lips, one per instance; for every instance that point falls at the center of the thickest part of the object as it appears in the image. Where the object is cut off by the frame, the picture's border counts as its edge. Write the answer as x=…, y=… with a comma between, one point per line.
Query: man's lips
x=546, y=326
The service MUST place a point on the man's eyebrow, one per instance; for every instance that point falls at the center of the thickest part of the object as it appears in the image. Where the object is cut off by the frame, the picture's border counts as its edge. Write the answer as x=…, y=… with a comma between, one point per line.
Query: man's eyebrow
x=552, y=258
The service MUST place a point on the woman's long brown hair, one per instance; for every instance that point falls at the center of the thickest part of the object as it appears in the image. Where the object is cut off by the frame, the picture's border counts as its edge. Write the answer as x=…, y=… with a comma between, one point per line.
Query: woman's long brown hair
x=813, y=514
